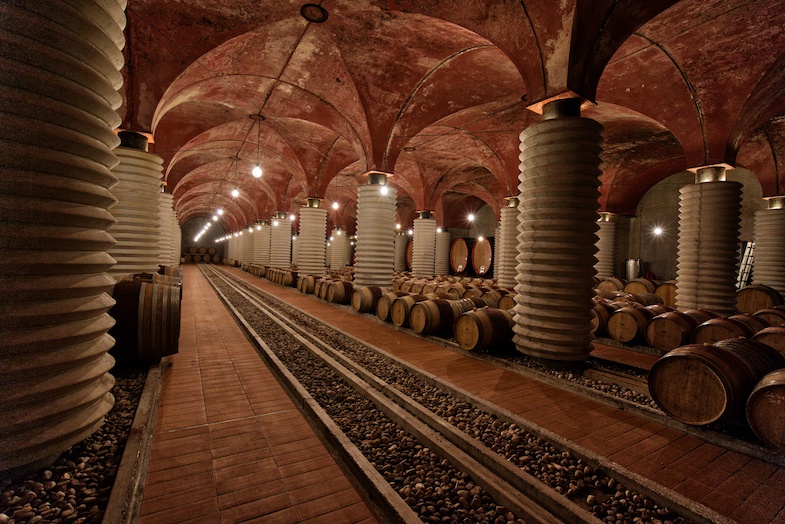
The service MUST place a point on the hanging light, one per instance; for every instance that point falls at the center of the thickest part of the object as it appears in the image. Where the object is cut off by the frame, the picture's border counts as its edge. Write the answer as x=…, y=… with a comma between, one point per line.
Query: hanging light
x=215, y=218
x=235, y=192
x=257, y=169
x=470, y=218
x=383, y=190
x=292, y=217
x=335, y=205
x=220, y=212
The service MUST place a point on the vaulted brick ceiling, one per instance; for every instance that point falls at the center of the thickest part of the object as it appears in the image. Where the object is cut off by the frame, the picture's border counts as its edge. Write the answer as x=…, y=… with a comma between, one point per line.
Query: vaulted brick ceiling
x=437, y=92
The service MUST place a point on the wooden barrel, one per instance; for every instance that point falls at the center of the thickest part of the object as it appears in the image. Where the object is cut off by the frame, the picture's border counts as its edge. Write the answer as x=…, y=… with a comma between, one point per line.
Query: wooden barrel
x=437, y=317
x=147, y=319
x=484, y=329
x=716, y=329
x=340, y=292
x=406, y=285
x=759, y=358
x=192, y=250
x=492, y=296
x=507, y=301
x=289, y=279
x=482, y=256
x=602, y=311
x=756, y=297
x=773, y=336
x=409, y=254
x=197, y=258
x=211, y=250
x=667, y=292
x=765, y=411
x=202, y=250
x=459, y=255
x=775, y=316
x=645, y=298
x=627, y=324
x=701, y=384
x=472, y=291
x=611, y=284
x=640, y=285
x=417, y=287
x=384, y=304
x=402, y=308
x=216, y=259
x=670, y=330
x=364, y=299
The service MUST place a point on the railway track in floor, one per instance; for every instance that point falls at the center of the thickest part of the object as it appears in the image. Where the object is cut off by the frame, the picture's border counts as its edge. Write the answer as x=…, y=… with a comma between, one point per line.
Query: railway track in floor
x=422, y=452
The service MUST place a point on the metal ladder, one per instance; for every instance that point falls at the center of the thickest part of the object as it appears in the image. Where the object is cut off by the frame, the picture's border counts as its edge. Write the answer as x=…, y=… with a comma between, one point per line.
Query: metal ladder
x=747, y=250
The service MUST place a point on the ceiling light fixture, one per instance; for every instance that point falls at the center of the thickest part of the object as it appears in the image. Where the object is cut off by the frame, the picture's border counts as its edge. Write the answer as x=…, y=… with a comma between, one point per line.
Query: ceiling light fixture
x=335, y=205
x=235, y=192
x=257, y=169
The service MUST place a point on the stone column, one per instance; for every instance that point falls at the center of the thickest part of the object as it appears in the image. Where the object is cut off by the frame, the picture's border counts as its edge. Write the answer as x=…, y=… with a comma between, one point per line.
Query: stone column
x=138, y=226
x=606, y=246
x=709, y=223
x=261, y=245
x=507, y=244
x=559, y=188
x=443, y=240
x=247, y=245
x=400, y=250
x=339, y=248
x=166, y=242
x=424, y=249
x=375, y=232
x=233, y=242
x=281, y=241
x=769, y=265
x=60, y=82
x=177, y=246
x=313, y=226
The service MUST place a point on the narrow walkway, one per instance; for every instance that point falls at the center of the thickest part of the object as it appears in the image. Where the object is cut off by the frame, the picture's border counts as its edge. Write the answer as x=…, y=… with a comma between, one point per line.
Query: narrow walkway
x=229, y=445
x=740, y=487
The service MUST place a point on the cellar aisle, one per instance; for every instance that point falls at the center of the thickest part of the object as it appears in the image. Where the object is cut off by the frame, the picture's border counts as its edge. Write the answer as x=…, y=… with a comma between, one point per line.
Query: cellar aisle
x=743, y=488
x=229, y=445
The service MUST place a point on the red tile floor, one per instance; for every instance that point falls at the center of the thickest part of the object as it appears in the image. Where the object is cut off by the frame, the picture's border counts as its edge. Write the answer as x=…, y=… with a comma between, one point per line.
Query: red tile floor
x=229, y=445
x=740, y=487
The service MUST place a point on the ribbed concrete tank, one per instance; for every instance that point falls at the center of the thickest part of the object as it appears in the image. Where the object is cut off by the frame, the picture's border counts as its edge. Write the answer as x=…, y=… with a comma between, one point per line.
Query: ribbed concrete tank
x=261, y=246
x=60, y=84
x=313, y=226
x=424, y=248
x=559, y=189
x=400, y=250
x=339, y=252
x=709, y=223
x=769, y=266
x=169, y=253
x=138, y=227
x=606, y=245
x=375, y=232
x=507, y=244
x=247, y=245
x=443, y=242
x=280, y=241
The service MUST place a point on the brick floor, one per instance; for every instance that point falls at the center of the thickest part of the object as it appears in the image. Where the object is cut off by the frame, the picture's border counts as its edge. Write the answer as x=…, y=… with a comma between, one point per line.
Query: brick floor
x=229, y=446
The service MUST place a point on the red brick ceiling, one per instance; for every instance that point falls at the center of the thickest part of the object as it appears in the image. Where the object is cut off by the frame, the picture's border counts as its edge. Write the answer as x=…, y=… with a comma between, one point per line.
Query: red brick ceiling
x=437, y=91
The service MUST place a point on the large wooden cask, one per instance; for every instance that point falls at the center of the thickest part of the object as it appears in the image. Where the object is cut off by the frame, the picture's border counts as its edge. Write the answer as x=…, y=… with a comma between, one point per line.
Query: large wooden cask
x=482, y=256
x=766, y=410
x=459, y=255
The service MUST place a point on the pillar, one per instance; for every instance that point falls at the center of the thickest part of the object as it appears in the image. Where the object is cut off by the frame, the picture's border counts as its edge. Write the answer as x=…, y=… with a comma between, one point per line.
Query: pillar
x=424, y=248
x=769, y=265
x=606, y=246
x=443, y=243
x=375, y=226
x=559, y=188
x=339, y=248
x=60, y=84
x=261, y=245
x=400, y=250
x=166, y=244
x=233, y=246
x=507, y=244
x=709, y=223
x=280, y=241
x=247, y=244
x=138, y=227
x=313, y=228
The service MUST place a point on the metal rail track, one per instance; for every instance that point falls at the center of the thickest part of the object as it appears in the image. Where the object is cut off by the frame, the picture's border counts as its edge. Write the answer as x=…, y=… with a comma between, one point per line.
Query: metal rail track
x=510, y=486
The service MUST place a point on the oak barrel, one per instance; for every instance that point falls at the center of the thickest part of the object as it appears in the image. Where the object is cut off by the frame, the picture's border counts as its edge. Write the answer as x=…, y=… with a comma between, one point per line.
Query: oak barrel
x=667, y=292
x=507, y=301
x=716, y=329
x=766, y=409
x=611, y=284
x=364, y=299
x=773, y=336
x=701, y=384
x=484, y=329
x=627, y=324
x=402, y=307
x=775, y=316
x=459, y=254
x=640, y=285
x=202, y=250
x=756, y=297
x=482, y=256
x=670, y=330
x=437, y=317
x=384, y=304
x=339, y=292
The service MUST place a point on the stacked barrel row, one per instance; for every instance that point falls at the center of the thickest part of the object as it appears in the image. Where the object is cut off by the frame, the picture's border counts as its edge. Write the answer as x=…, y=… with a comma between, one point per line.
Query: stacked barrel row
x=640, y=319
x=208, y=255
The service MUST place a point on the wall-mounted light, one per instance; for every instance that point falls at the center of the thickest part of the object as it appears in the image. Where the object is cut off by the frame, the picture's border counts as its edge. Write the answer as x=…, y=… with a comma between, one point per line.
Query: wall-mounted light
x=657, y=231
x=275, y=223
x=411, y=231
x=292, y=217
x=397, y=226
x=383, y=190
